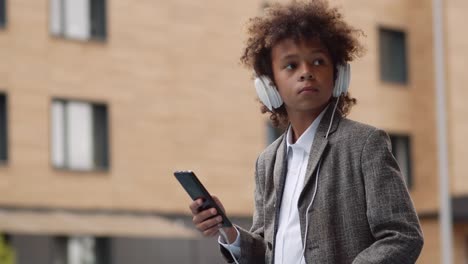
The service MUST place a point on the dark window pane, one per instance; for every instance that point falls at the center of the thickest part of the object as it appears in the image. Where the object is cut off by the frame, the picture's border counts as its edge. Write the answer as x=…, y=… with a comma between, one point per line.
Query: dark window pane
x=3, y=129
x=98, y=19
x=60, y=250
x=100, y=134
x=393, y=58
x=401, y=149
x=103, y=254
x=3, y=13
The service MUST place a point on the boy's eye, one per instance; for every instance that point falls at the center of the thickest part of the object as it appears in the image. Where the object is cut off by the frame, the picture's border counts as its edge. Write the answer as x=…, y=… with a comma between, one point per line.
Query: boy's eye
x=290, y=66
x=318, y=62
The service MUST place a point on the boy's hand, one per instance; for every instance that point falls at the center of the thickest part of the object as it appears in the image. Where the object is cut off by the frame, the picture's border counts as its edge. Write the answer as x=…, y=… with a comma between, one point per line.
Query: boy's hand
x=208, y=221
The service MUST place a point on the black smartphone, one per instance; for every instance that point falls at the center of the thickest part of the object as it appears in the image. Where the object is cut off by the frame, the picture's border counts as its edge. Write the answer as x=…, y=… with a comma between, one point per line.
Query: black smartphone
x=196, y=190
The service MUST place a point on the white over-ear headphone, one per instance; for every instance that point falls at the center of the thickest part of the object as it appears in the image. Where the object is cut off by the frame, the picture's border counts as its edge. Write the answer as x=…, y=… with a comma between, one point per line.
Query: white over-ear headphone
x=270, y=97
x=267, y=92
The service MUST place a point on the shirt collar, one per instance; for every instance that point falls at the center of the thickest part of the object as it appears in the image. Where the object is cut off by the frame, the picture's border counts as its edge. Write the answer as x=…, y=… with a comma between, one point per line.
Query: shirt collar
x=305, y=141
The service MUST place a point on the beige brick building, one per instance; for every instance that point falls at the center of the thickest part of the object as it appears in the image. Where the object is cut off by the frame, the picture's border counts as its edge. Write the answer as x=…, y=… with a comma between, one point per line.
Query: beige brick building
x=103, y=100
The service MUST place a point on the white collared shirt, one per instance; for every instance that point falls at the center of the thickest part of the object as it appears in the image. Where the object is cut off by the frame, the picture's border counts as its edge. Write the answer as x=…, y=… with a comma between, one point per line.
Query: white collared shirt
x=288, y=246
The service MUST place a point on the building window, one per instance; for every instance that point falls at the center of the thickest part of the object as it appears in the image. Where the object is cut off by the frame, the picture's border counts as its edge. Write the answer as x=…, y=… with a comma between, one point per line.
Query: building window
x=3, y=13
x=273, y=133
x=3, y=129
x=393, y=56
x=401, y=149
x=78, y=19
x=81, y=250
x=79, y=135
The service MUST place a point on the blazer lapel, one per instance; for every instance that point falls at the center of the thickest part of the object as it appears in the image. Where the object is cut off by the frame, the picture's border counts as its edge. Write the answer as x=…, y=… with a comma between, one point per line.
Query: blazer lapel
x=279, y=178
x=279, y=171
x=319, y=145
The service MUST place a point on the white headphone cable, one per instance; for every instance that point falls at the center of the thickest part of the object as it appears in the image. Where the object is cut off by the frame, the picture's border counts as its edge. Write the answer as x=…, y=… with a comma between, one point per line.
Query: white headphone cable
x=223, y=234
x=307, y=215
x=304, y=241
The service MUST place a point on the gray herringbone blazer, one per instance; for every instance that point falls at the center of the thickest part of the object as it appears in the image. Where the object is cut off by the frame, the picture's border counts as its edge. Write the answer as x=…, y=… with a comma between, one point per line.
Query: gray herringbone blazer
x=362, y=212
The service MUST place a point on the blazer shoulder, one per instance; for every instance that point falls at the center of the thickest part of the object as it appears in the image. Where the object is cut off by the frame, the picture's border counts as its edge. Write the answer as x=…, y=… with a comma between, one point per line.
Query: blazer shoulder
x=357, y=132
x=352, y=125
x=354, y=128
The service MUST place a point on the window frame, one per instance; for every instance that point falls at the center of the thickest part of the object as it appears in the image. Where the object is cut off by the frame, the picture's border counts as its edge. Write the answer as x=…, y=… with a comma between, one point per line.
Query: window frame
x=93, y=37
x=101, y=250
x=407, y=173
x=106, y=167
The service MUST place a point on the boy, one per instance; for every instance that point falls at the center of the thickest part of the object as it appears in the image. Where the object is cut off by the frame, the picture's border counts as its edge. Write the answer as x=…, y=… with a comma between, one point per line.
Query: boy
x=328, y=190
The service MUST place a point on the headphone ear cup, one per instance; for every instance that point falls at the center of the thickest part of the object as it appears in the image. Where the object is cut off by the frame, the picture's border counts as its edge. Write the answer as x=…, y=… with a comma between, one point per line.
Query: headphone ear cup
x=342, y=80
x=267, y=92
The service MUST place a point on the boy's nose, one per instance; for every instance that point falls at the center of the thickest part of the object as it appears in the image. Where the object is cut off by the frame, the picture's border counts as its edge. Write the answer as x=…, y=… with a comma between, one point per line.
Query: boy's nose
x=306, y=72
x=306, y=76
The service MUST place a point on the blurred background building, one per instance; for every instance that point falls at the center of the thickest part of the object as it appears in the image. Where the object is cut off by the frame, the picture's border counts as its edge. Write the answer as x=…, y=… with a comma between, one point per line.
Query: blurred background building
x=101, y=100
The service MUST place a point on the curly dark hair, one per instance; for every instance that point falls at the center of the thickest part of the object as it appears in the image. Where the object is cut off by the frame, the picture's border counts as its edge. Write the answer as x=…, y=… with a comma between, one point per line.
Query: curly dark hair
x=300, y=20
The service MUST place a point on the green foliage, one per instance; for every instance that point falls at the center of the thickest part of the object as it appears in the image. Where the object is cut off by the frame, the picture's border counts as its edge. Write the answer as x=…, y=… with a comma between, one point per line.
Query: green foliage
x=7, y=254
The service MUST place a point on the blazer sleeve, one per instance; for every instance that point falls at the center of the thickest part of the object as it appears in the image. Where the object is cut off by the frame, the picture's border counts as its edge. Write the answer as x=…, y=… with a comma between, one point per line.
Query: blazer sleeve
x=251, y=242
x=390, y=211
